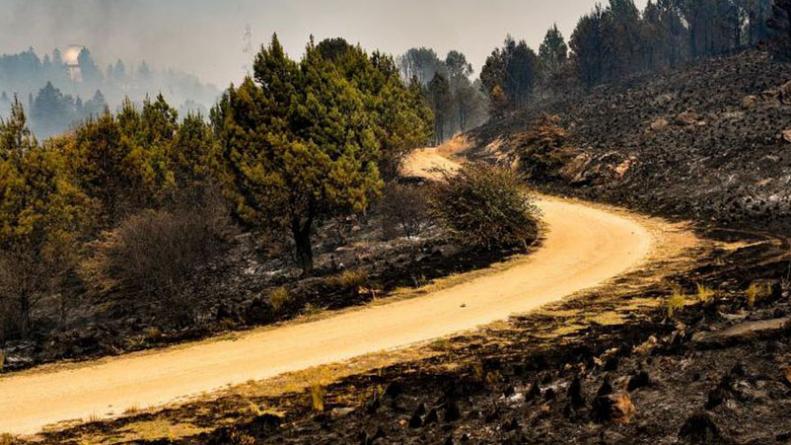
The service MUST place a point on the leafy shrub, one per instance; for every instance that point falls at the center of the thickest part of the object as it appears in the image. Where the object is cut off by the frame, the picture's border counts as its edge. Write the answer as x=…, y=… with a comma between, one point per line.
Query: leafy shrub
x=152, y=254
x=485, y=207
x=404, y=208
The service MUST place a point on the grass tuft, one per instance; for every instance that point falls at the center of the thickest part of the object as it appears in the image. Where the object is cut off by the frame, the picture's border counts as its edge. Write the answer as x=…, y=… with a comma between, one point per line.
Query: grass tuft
x=317, y=393
x=676, y=301
x=348, y=279
x=278, y=298
x=705, y=294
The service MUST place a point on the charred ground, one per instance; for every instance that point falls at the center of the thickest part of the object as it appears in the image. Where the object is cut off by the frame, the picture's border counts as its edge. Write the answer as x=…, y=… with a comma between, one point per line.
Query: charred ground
x=703, y=356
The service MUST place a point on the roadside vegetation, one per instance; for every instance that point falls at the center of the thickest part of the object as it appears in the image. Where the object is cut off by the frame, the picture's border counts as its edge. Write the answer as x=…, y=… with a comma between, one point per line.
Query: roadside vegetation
x=141, y=227
x=486, y=207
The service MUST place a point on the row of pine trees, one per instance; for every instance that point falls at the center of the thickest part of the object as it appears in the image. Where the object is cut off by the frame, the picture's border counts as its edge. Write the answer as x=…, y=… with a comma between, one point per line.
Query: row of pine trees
x=618, y=40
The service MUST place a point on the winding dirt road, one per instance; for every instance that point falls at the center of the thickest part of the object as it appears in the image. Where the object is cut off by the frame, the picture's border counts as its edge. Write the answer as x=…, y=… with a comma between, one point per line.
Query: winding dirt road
x=583, y=247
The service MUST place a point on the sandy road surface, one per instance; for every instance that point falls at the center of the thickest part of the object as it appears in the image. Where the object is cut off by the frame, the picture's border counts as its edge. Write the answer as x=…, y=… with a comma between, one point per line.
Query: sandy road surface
x=584, y=246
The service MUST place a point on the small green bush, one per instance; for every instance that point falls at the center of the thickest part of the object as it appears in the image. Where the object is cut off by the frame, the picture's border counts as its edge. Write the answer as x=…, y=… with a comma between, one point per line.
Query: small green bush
x=485, y=207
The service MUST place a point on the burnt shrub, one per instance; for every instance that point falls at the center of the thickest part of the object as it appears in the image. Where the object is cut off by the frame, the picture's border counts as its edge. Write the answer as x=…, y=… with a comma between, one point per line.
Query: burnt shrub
x=485, y=207
x=152, y=254
x=32, y=279
x=405, y=210
x=542, y=150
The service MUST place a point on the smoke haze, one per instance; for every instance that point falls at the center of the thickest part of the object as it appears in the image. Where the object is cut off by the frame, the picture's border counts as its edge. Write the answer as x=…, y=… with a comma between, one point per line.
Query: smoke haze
x=205, y=37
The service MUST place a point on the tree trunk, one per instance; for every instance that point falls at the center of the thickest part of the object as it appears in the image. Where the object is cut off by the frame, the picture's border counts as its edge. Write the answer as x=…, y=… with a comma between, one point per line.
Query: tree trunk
x=301, y=231
x=24, y=316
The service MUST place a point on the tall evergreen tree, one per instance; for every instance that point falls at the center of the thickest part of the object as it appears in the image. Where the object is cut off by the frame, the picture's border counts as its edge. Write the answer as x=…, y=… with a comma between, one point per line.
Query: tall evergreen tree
x=298, y=145
x=553, y=51
x=512, y=71
x=439, y=95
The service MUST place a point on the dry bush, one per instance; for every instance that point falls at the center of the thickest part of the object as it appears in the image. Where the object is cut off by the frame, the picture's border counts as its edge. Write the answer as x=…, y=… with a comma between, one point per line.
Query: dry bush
x=485, y=207
x=152, y=254
x=278, y=298
x=349, y=279
x=27, y=277
x=404, y=209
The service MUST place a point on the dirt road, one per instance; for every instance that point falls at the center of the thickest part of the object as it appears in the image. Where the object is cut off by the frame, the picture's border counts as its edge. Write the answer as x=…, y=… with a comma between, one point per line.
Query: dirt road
x=584, y=246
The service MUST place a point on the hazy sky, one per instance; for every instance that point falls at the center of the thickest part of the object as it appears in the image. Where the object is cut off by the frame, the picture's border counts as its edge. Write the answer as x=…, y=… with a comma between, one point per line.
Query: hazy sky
x=205, y=37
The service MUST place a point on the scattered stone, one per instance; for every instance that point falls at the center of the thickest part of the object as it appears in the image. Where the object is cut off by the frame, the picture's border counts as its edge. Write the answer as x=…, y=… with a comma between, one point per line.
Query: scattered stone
x=787, y=135
x=637, y=381
x=611, y=364
x=659, y=124
x=688, y=118
x=533, y=392
x=781, y=95
x=452, y=412
x=701, y=429
x=749, y=102
x=605, y=388
x=616, y=407
x=787, y=375
x=369, y=439
x=741, y=332
x=575, y=393
x=393, y=390
x=416, y=421
x=337, y=413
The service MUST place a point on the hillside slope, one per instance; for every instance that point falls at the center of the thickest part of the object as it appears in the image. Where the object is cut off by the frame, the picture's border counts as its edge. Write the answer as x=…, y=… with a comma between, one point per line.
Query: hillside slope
x=703, y=142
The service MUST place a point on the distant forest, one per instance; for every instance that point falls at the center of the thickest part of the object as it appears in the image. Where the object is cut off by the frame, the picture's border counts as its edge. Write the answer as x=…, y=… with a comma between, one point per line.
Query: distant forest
x=618, y=40
x=63, y=88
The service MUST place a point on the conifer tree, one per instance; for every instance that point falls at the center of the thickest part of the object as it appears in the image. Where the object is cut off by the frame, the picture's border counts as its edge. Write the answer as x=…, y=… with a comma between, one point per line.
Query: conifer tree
x=553, y=51
x=298, y=145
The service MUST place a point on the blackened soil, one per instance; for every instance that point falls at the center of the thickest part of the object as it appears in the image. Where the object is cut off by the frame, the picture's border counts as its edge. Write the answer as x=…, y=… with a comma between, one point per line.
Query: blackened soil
x=703, y=142
x=235, y=294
